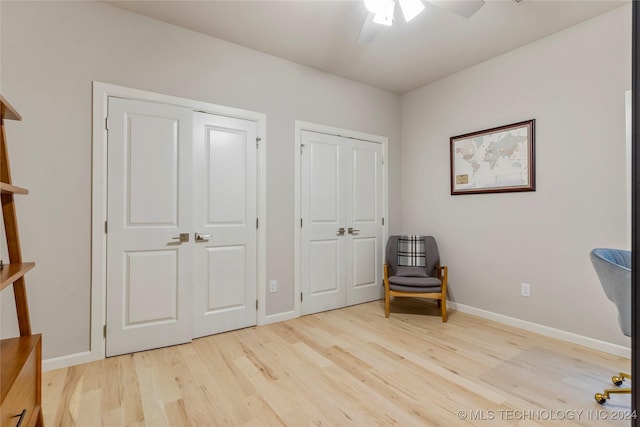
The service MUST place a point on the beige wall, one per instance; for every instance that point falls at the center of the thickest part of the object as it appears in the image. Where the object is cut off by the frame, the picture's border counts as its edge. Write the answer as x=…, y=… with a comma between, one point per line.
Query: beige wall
x=573, y=83
x=52, y=51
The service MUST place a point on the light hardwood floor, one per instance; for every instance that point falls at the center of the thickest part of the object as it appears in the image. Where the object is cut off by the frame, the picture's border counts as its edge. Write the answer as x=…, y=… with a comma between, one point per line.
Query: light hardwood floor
x=346, y=367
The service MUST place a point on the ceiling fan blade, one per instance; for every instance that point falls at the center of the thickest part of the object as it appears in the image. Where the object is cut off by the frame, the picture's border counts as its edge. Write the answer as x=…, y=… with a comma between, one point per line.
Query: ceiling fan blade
x=465, y=8
x=368, y=31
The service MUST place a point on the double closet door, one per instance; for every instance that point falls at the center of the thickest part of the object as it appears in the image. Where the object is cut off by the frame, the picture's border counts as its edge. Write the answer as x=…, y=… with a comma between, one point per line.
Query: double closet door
x=342, y=230
x=181, y=225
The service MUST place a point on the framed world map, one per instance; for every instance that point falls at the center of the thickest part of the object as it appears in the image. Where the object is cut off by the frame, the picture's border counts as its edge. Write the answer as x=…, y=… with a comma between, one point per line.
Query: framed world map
x=496, y=160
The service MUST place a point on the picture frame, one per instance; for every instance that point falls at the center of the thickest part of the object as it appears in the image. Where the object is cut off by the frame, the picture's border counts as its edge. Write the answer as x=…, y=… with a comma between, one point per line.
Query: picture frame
x=496, y=160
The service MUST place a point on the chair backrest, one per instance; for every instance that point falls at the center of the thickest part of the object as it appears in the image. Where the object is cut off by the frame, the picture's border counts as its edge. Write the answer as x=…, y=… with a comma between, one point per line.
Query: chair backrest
x=431, y=248
x=613, y=267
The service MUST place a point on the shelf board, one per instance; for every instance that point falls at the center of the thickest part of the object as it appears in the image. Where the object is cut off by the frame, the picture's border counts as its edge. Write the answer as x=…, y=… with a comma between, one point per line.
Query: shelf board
x=13, y=353
x=9, y=273
x=12, y=189
x=7, y=111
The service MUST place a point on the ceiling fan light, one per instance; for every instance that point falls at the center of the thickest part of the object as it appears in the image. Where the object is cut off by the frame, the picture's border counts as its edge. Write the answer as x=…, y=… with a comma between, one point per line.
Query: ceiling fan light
x=411, y=8
x=375, y=6
x=386, y=16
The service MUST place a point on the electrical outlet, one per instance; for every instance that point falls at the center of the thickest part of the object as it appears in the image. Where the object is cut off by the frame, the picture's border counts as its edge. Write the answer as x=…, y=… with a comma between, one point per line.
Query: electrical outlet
x=273, y=286
x=525, y=289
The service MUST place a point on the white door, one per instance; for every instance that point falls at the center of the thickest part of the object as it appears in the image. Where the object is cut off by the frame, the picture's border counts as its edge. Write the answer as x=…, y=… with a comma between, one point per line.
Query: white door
x=341, y=238
x=364, y=216
x=225, y=193
x=149, y=299
x=323, y=222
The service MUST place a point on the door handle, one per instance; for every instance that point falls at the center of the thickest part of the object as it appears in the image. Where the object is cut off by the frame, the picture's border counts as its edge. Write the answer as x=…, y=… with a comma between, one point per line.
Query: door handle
x=340, y=231
x=353, y=232
x=202, y=237
x=183, y=237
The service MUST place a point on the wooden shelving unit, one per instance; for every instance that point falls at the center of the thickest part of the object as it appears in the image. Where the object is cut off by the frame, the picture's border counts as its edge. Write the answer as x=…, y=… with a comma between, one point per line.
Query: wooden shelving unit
x=20, y=357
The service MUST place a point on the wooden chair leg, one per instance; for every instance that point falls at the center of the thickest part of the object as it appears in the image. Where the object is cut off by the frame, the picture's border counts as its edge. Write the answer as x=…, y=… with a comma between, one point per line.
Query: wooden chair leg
x=386, y=303
x=443, y=304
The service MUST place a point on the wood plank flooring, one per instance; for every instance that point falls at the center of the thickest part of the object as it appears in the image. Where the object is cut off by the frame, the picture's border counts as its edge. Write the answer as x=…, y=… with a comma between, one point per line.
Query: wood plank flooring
x=347, y=367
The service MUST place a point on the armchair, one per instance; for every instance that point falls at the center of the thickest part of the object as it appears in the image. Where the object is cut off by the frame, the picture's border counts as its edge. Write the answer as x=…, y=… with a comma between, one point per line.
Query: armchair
x=613, y=267
x=430, y=283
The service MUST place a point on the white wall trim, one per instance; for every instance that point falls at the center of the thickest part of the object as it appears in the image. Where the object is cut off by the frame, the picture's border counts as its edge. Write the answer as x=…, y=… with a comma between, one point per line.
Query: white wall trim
x=101, y=93
x=297, y=208
x=281, y=317
x=67, y=360
x=548, y=331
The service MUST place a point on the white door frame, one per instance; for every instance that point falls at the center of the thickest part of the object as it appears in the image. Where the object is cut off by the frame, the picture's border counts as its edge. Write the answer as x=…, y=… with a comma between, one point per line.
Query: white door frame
x=101, y=92
x=297, y=235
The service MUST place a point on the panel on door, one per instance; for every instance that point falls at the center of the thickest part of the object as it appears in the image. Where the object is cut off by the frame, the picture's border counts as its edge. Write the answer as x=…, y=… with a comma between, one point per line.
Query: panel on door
x=364, y=214
x=151, y=273
x=225, y=193
x=148, y=198
x=323, y=212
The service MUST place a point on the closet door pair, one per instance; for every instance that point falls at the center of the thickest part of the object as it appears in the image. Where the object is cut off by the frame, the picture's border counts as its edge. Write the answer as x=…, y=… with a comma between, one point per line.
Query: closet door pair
x=341, y=236
x=181, y=225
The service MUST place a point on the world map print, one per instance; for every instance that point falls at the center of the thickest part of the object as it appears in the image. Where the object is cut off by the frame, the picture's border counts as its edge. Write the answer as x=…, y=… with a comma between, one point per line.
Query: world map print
x=492, y=160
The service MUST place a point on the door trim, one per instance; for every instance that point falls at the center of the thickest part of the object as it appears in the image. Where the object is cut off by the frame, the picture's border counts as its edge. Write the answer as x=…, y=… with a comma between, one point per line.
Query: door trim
x=101, y=92
x=297, y=234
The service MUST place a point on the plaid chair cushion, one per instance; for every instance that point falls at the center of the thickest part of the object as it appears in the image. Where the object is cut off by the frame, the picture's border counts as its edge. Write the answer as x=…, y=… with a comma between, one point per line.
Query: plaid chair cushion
x=411, y=251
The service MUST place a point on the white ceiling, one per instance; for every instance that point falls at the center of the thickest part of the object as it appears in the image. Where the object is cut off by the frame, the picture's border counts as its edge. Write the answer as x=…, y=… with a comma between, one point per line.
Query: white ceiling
x=323, y=34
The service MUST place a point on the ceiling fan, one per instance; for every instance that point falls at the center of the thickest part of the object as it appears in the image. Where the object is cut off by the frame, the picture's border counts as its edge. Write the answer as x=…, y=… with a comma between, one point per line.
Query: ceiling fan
x=381, y=13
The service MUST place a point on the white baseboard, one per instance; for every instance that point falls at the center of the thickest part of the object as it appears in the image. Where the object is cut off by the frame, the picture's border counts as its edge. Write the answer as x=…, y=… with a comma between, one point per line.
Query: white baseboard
x=279, y=317
x=69, y=360
x=593, y=343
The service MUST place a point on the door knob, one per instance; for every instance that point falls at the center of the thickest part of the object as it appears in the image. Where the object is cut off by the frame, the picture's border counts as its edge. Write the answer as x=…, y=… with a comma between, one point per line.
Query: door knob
x=183, y=237
x=353, y=232
x=202, y=237
x=340, y=231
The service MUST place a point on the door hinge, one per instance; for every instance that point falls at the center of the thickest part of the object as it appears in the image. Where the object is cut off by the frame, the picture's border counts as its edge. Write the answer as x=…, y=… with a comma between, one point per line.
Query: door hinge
x=301, y=148
x=104, y=331
x=105, y=227
x=300, y=296
x=300, y=222
x=382, y=220
x=106, y=123
x=256, y=304
x=258, y=139
x=257, y=223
